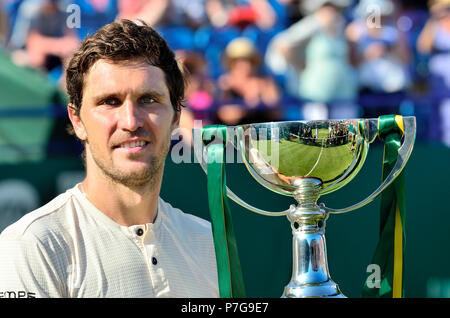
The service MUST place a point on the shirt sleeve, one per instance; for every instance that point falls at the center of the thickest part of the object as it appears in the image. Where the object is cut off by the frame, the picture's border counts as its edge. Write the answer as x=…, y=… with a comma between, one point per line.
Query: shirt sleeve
x=28, y=269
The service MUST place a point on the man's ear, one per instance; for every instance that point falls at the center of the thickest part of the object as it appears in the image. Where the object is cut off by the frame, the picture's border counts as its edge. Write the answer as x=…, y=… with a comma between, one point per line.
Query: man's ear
x=77, y=124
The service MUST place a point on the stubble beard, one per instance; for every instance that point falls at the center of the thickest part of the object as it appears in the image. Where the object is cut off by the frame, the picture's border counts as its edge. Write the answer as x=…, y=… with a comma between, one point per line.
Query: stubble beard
x=148, y=177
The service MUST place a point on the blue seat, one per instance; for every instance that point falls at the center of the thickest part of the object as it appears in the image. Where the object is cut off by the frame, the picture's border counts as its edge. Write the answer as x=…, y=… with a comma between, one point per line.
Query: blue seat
x=178, y=37
x=202, y=37
x=91, y=20
x=260, y=38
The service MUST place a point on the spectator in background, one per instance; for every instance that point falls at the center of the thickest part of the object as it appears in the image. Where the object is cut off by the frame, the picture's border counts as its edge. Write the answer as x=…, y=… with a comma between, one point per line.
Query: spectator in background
x=199, y=92
x=313, y=56
x=243, y=90
x=26, y=12
x=201, y=88
x=99, y=5
x=223, y=13
x=434, y=40
x=150, y=11
x=292, y=12
x=379, y=49
x=93, y=14
x=50, y=41
x=3, y=27
x=190, y=13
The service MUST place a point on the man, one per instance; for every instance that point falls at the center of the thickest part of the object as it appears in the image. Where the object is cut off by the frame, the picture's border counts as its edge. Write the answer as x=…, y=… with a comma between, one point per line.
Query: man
x=111, y=235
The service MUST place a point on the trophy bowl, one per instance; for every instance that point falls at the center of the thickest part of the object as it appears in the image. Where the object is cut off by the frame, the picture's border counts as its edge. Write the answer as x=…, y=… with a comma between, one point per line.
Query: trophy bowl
x=283, y=156
x=304, y=160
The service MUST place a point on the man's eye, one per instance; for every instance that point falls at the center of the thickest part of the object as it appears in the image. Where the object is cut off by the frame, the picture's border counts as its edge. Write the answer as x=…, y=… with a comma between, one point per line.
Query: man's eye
x=147, y=100
x=111, y=101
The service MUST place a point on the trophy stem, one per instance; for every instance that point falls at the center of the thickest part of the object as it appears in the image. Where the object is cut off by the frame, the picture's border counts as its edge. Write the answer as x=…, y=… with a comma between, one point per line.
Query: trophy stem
x=310, y=275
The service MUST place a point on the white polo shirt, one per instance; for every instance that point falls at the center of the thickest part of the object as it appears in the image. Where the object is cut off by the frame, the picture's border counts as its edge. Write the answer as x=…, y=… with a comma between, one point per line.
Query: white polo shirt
x=68, y=248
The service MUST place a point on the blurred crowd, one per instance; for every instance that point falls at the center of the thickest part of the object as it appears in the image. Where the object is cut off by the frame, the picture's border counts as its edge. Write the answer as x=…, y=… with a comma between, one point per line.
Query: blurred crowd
x=268, y=60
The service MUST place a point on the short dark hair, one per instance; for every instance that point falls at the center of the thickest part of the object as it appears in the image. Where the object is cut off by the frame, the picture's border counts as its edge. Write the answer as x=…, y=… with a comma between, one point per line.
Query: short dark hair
x=120, y=41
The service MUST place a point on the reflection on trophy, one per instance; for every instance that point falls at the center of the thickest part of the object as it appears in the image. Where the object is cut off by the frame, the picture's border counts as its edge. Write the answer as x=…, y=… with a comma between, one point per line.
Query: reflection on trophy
x=304, y=160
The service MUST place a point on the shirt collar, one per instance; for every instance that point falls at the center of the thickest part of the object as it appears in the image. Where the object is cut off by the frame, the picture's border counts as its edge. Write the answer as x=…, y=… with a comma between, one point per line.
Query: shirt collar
x=131, y=230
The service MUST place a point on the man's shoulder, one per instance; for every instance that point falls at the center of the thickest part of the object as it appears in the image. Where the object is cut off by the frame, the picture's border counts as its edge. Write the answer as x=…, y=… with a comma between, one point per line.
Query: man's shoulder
x=40, y=220
x=185, y=220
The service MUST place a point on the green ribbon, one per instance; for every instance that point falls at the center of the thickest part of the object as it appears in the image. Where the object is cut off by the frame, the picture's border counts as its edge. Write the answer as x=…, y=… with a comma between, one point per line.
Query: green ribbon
x=231, y=282
x=389, y=253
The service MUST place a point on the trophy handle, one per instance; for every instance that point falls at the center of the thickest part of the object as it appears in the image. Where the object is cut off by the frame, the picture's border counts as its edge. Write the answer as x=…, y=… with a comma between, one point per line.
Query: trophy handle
x=404, y=152
x=201, y=154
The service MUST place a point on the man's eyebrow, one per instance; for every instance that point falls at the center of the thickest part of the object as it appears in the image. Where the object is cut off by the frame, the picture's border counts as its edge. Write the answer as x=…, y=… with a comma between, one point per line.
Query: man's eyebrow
x=150, y=92
x=103, y=96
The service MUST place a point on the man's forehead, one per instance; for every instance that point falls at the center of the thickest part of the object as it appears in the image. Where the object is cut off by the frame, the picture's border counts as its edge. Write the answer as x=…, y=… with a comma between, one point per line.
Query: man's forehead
x=120, y=75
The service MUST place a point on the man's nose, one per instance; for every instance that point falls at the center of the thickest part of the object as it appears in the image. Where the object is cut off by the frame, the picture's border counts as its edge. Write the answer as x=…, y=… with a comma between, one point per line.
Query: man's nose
x=129, y=117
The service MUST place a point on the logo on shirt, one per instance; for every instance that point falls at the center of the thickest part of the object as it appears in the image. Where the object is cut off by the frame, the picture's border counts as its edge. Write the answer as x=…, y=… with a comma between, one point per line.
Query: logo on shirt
x=16, y=294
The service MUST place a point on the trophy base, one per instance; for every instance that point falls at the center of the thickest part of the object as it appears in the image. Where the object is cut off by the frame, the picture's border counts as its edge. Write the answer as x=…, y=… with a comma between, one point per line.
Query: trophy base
x=328, y=289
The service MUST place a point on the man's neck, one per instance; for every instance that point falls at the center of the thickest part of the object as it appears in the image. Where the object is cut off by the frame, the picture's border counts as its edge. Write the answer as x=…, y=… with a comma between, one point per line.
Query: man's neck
x=126, y=206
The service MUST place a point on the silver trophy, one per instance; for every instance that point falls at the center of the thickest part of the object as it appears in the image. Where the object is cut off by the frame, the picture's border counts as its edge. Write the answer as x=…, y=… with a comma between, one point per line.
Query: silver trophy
x=304, y=160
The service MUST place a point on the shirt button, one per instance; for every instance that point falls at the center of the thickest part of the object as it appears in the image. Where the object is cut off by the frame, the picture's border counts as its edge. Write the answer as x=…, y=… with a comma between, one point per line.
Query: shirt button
x=154, y=261
x=139, y=232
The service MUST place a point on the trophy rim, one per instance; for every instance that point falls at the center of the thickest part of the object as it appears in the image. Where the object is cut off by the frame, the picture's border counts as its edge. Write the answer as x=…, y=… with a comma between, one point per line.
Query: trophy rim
x=304, y=121
x=327, y=187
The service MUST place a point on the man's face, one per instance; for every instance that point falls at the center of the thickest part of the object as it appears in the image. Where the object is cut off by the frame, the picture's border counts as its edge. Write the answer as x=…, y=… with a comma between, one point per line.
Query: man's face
x=126, y=120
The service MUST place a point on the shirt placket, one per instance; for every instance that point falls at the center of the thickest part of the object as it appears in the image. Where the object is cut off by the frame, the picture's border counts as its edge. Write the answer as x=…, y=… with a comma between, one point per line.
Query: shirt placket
x=148, y=244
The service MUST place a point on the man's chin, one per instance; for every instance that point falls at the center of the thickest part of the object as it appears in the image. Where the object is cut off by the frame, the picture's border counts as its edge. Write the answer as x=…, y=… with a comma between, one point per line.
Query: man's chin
x=138, y=178
x=135, y=175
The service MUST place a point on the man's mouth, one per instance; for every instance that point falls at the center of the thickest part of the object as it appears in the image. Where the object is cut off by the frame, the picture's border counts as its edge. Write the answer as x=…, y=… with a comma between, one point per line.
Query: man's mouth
x=132, y=146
